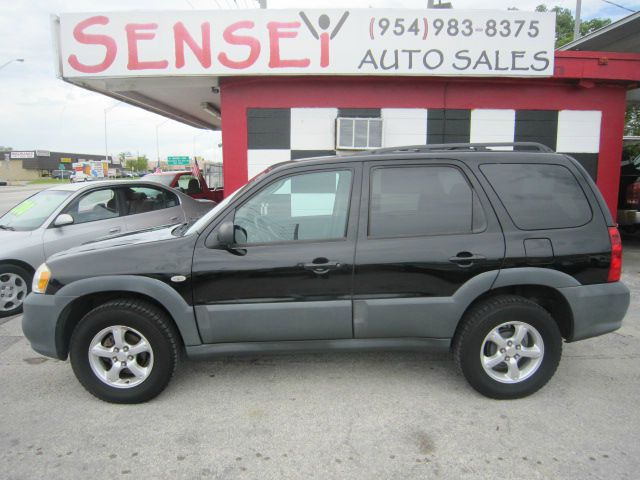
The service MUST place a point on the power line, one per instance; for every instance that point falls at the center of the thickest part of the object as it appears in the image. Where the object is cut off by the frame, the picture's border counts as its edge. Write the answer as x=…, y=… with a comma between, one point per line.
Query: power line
x=619, y=6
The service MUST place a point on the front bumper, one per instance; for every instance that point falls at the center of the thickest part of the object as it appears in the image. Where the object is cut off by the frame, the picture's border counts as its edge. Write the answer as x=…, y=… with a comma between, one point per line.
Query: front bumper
x=40, y=322
x=597, y=309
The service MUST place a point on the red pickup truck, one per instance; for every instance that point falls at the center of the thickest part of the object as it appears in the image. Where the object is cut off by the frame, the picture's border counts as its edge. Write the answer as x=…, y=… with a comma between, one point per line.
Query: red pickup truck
x=184, y=181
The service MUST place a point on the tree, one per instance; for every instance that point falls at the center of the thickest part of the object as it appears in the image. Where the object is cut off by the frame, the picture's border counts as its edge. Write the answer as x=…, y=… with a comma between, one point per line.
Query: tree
x=565, y=23
x=139, y=164
x=632, y=121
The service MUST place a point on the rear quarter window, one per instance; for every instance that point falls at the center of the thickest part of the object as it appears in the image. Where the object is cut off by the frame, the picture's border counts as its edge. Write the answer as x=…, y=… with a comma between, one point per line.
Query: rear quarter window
x=539, y=196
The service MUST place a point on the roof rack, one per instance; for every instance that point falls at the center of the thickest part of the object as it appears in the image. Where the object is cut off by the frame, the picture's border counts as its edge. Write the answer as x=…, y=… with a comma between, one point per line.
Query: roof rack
x=471, y=147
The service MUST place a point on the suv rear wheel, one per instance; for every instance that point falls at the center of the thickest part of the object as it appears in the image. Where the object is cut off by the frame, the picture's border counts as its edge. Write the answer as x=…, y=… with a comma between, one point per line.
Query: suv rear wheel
x=508, y=347
x=124, y=351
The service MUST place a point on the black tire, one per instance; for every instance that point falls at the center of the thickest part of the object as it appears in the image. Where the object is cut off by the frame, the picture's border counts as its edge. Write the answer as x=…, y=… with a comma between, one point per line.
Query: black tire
x=15, y=306
x=480, y=320
x=146, y=319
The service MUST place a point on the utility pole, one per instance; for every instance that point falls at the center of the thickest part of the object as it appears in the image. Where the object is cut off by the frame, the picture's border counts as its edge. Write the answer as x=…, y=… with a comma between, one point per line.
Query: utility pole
x=576, y=28
x=106, y=145
x=158, y=142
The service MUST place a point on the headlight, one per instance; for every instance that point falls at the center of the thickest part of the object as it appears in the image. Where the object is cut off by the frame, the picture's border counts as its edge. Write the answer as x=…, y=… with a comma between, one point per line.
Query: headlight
x=41, y=279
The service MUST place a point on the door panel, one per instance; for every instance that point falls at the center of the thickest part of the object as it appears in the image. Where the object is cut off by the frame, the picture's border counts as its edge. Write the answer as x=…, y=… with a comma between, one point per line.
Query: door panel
x=275, y=321
x=167, y=216
x=429, y=231
x=57, y=239
x=284, y=286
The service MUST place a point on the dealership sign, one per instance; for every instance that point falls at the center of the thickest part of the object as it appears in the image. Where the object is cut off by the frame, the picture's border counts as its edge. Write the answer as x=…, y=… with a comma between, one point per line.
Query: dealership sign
x=314, y=42
x=15, y=154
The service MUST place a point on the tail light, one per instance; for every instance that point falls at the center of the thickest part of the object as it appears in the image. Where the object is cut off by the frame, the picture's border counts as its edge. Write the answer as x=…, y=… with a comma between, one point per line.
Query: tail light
x=615, y=268
x=633, y=194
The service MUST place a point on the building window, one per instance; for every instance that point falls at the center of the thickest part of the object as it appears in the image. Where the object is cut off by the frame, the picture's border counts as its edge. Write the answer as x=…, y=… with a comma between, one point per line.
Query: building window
x=358, y=133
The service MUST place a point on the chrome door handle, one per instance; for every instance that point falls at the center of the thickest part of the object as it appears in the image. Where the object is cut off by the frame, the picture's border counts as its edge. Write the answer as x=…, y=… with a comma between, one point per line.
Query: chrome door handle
x=321, y=268
x=173, y=219
x=114, y=230
x=466, y=259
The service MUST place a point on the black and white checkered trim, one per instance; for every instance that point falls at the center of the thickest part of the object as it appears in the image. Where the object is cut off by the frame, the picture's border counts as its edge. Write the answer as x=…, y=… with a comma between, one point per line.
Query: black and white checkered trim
x=281, y=134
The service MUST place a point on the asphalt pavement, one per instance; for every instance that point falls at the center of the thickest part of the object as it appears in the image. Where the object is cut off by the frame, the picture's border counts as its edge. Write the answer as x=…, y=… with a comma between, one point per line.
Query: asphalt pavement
x=332, y=415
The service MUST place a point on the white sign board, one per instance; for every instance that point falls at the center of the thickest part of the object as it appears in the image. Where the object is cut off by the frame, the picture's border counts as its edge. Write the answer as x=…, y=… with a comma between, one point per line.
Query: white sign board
x=313, y=42
x=23, y=155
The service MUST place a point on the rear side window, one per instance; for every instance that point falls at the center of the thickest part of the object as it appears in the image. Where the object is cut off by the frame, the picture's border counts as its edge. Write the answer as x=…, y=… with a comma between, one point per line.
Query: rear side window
x=424, y=200
x=539, y=197
x=147, y=199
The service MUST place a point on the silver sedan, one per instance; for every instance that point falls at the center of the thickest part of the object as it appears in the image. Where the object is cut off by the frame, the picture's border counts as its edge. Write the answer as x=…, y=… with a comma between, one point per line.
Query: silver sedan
x=68, y=215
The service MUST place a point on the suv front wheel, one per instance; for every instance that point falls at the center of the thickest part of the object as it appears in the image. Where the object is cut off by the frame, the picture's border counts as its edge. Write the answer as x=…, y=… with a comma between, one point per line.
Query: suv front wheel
x=124, y=351
x=508, y=347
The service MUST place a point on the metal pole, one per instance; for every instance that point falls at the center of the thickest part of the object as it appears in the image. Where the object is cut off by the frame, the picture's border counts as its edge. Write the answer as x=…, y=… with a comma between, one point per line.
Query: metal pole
x=106, y=148
x=576, y=29
x=158, y=142
x=157, y=147
x=106, y=110
x=263, y=3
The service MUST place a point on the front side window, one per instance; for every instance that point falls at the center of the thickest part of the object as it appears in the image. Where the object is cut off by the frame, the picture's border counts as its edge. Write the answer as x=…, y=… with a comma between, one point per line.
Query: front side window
x=309, y=206
x=423, y=200
x=94, y=206
x=147, y=199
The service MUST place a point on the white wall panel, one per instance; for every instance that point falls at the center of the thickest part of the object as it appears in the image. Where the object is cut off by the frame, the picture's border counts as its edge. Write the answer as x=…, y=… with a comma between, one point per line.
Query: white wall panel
x=313, y=128
x=258, y=160
x=492, y=125
x=579, y=131
x=404, y=126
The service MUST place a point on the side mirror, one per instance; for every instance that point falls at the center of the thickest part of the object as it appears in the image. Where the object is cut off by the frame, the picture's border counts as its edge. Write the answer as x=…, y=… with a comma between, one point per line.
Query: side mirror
x=222, y=237
x=226, y=234
x=62, y=220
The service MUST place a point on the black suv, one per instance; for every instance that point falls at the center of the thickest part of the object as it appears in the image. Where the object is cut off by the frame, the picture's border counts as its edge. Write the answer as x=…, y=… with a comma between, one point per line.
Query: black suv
x=496, y=255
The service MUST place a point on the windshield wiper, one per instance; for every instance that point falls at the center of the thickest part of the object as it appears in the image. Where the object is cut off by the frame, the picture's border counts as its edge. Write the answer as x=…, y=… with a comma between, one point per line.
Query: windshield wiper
x=6, y=227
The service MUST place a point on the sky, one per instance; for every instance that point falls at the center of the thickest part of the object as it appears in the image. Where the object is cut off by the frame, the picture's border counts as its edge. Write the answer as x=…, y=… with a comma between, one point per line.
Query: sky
x=40, y=111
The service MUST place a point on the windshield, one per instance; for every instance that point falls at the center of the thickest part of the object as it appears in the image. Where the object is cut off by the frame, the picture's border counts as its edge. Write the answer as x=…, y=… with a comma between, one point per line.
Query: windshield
x=162, y=179
x=31, y=213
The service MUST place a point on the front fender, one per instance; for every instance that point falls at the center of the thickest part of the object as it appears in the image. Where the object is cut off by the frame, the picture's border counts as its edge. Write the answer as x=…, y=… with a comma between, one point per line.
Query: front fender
x=181, y=312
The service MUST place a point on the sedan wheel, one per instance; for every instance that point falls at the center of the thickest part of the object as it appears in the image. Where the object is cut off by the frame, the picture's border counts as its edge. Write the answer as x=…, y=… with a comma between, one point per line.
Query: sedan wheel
x=14, y=287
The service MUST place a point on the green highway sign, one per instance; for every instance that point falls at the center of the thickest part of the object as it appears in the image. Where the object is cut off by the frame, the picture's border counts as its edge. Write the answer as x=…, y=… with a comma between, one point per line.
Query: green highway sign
x=178, y=160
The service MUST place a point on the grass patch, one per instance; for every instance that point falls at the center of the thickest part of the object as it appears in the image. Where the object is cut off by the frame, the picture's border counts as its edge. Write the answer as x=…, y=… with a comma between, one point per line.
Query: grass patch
x=45, y=180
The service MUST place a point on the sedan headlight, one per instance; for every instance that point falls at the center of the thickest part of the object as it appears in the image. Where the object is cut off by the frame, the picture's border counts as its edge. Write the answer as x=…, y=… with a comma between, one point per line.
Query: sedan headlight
x=41, y=279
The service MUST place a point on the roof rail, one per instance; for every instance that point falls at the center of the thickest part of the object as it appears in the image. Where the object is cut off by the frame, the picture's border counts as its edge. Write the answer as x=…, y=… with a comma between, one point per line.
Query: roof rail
x=472, y=147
